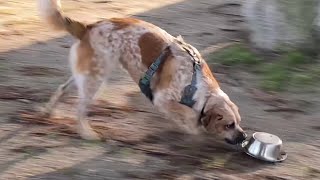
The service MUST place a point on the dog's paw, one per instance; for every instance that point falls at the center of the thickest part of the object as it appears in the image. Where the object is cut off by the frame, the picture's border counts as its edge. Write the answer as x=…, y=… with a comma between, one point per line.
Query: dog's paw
x=89, y=134
x=191, y=130
x=44, y=112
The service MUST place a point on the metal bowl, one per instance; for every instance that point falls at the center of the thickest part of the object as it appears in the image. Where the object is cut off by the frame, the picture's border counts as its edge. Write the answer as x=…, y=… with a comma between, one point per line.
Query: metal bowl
x=265, y=146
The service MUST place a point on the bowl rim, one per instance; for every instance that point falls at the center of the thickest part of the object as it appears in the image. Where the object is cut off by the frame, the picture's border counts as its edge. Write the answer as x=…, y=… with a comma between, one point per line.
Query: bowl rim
x=276, y=144
x=283, y=156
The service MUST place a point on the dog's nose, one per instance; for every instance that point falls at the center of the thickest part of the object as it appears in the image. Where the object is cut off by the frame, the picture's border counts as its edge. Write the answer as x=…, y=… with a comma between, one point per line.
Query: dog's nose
x=244, y=135
x=241, y=137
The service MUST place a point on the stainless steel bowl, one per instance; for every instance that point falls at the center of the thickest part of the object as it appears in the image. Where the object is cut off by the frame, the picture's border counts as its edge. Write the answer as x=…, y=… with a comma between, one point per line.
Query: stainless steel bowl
x=265, y=146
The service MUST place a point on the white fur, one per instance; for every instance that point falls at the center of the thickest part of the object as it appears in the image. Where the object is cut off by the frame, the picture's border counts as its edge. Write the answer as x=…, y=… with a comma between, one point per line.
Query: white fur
x=48, y=7
x=73, y=56
x=201, y=94
x=222, y=94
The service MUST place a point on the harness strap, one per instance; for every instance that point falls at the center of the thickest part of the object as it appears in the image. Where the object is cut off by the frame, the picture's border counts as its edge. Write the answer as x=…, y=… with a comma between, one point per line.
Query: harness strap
x=145, y=81
x=189, y=90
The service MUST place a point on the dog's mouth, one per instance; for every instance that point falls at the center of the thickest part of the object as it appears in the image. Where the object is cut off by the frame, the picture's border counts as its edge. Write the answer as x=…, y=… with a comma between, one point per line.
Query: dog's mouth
x=233, y=142
x=240, y=138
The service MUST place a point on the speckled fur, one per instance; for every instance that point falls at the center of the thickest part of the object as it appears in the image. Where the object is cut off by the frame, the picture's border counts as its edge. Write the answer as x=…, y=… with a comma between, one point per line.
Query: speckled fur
x=109, y=42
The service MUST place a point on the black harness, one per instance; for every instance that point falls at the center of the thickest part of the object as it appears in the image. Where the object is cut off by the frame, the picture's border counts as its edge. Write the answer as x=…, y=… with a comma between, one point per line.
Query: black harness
x=189, y=90
x=144, y=82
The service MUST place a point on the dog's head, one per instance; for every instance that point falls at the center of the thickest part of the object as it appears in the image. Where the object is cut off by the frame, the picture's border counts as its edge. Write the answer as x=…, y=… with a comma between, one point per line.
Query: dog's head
x=221, y=117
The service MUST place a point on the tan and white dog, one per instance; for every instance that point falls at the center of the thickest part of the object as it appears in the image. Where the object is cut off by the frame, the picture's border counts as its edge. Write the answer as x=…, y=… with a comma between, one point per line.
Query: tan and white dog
x=136, y=44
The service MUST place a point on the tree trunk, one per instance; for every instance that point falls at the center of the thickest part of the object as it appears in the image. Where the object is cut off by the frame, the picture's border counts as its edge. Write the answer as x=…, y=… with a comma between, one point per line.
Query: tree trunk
x=278, y=24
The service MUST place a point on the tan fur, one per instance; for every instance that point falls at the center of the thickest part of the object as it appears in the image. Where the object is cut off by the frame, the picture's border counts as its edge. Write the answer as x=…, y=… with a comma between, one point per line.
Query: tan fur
x=136, y=44
x=221, y=106
x=85, y=62
x=165, y=74
x=121, y=23
x=208, y=74
x=56, y=20
x=151, y=46
x=51, y=12
x=177, y=111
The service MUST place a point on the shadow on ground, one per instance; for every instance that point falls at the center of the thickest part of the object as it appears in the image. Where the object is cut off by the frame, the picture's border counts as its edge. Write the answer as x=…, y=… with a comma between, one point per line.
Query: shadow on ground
x=161, y=154
x=179, y=155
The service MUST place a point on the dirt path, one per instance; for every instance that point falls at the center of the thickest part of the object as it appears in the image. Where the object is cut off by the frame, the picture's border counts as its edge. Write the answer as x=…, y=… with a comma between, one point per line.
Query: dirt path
x=140, y=143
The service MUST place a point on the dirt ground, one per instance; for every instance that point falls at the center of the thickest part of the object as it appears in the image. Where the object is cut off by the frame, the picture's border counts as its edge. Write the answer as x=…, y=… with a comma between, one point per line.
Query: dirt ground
x=140, y=143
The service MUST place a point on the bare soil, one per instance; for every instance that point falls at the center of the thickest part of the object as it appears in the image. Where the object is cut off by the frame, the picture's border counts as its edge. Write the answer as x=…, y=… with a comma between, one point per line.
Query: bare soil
x=139, y=143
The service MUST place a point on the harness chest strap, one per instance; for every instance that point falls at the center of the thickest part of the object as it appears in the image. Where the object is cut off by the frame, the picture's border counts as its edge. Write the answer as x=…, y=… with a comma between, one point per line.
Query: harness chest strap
x=188, y=92
x=144, y=82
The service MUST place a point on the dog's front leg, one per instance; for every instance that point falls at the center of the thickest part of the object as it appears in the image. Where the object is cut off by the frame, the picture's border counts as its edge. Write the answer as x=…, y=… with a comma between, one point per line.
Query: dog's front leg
x=181, y=114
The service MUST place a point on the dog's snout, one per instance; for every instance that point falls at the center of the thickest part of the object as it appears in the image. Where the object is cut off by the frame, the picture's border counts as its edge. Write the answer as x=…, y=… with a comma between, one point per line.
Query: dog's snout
x=241, y=137
x=244, y=135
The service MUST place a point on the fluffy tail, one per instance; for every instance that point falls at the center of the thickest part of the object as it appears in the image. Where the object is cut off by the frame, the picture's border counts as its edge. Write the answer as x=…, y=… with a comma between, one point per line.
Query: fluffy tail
x=50, y=11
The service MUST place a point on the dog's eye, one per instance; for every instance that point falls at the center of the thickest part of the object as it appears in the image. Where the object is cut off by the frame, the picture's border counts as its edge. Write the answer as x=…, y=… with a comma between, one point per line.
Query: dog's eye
x=230, y=126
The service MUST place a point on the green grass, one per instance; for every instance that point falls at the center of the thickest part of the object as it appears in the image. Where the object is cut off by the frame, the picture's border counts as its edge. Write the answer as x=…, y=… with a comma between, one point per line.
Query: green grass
x=299, y=79
x=274, y=77
x=295, y=58
x=236, y=55
x=290, y=69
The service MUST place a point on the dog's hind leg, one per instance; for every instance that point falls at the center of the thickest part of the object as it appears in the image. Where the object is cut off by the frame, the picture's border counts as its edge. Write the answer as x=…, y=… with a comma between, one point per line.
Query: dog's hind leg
x=57, y=95
x=90, y=68
x=87, y=88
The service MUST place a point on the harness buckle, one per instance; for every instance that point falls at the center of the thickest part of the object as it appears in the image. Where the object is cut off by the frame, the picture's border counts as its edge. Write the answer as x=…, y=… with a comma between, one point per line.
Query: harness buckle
x=197, y=66
x=187, y=98
x=145, y=80
x=154, y=67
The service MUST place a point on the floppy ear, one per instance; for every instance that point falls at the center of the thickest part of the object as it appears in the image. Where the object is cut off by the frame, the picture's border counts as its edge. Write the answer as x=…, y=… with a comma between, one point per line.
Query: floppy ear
x=210, y=116
x=234, y=107
x=205, y=121
x=179, y=37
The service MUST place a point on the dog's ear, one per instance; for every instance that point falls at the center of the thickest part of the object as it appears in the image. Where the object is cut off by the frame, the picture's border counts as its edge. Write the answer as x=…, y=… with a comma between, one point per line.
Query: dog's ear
x=179, y=38
x=205, y=121
x=211, y=116
x=234, y=107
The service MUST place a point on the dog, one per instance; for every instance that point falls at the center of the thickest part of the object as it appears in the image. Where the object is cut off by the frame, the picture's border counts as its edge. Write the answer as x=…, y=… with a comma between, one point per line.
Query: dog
x=169, y=71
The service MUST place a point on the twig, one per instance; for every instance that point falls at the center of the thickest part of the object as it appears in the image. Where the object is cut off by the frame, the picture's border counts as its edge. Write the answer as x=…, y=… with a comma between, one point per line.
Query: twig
x=284, y=109
x=225, y=5
x=228, y=29
x=217, y=47
x=101, y=2
x=160, y=152
x=227, y=14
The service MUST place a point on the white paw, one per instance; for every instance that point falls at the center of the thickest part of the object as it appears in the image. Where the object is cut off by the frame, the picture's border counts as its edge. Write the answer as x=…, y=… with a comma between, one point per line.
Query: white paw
x=88, y=134
x=191, y=130
x=44, y=111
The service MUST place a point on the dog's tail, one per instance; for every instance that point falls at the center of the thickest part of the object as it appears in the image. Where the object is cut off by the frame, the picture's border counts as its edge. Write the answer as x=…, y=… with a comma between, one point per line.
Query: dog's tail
x=50, y=11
